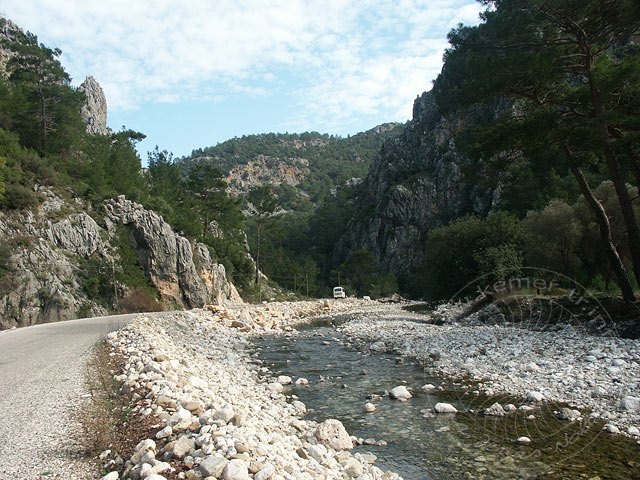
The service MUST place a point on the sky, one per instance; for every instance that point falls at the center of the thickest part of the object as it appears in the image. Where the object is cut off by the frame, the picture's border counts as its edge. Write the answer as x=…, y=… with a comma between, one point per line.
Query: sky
x=194, y=73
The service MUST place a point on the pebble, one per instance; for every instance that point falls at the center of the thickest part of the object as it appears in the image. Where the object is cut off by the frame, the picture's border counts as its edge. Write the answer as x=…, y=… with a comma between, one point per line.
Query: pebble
x=400, y=393
x=369, y=407
x=523, y=440
x=444, y=408
x=111, y=476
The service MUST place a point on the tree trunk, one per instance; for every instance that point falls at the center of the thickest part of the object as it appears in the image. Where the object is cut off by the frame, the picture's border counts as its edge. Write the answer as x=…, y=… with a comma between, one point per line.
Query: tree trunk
x=633, y=231
x=605, y=234
x=258, y=255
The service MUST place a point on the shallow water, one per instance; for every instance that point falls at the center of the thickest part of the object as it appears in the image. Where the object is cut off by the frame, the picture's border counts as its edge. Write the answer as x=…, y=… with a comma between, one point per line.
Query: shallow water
x=341, y=381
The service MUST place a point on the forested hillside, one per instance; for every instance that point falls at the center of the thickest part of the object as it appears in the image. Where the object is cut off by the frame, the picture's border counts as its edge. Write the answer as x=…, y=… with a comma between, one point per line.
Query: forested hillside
x=525, y=153
x=56, y=173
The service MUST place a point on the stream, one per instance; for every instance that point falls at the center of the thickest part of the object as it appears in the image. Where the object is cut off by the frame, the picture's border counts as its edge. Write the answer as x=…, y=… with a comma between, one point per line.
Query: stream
x=419, y=445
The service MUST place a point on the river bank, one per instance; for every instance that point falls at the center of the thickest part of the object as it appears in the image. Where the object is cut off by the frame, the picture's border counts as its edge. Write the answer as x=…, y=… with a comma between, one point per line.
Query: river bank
x=218, y=415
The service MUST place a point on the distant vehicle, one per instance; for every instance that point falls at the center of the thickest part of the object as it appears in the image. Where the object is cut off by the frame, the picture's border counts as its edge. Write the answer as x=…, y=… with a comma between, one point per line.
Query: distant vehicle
x=338, y=292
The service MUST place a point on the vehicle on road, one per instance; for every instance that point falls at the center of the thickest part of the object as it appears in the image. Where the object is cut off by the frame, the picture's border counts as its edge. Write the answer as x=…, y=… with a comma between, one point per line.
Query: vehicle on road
x=338, y=292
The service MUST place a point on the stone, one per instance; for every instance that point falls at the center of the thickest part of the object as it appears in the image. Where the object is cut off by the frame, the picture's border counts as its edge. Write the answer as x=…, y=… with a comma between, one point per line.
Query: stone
x=510, y=407
x=442, y=407
x=630, y=404
x=155, y=476
x=165, y=432
x=111, y=476
x=495, y=410
x=182, y=417
x=569, y=414
x=275, y=387
x=400, y=393
x=183, y=446
x=633, y=431
x=369, y=407
x=378, y=347
x=353, y=468
x=523, y=440
x=610, y=428
x=225, y=414
x=302, y=381
x=534, y=396
x=284, y=380
x=428, y=387
x=266, y=473
x=212, y=466
x=332, y=433
x=236, y=470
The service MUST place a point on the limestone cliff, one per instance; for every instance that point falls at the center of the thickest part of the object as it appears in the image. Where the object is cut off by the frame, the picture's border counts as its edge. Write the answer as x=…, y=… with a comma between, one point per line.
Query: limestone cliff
x=415, y=183
x=50, y=248
x=94, y=110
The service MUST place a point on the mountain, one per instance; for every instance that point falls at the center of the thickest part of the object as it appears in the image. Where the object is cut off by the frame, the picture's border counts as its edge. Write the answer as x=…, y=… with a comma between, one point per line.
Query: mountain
x=301, y=168
x=416, y=183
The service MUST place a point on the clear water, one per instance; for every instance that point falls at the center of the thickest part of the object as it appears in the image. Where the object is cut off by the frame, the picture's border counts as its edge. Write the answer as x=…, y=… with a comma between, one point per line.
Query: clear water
x=418, y=447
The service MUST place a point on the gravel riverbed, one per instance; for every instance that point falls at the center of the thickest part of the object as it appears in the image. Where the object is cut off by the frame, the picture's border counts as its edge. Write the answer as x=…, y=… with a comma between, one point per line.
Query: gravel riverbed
x=596, y=374
x=220, y=415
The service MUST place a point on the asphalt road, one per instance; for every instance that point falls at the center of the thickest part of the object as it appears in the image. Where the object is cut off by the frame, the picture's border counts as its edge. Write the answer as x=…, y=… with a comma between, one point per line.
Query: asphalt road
x=42, y=384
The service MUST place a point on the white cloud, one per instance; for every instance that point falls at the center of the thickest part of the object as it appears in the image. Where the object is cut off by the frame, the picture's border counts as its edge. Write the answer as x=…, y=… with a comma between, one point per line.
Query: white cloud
x=349, y=58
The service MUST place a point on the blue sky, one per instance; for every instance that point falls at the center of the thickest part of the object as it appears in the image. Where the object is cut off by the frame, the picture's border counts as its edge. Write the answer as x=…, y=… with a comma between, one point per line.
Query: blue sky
x=194, y=73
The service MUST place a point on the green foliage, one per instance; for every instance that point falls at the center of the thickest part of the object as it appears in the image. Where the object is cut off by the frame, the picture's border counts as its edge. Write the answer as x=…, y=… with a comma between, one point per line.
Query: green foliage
x=469, y=248
x=332, y=160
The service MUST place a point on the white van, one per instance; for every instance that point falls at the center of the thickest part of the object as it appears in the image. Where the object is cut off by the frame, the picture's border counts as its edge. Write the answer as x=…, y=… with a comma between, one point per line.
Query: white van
x=338, y=292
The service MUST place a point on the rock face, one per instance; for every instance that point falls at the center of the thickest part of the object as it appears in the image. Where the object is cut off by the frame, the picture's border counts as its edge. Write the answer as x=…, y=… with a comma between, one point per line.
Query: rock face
x=9, y=31
x=181, y=271
x=415, y=183
x=50, y=246
x=94, y=111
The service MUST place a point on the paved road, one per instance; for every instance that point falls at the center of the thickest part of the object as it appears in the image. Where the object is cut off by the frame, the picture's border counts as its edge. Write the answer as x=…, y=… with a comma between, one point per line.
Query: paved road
x=42, y=372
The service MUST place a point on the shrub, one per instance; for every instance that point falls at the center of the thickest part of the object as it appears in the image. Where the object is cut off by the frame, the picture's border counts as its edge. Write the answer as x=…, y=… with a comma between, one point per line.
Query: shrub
x=138, y=301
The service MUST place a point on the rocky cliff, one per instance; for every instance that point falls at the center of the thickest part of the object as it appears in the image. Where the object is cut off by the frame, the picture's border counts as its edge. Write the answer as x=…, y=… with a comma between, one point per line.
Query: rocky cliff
x=94, y=110
x=51, y=246
x=415, y=183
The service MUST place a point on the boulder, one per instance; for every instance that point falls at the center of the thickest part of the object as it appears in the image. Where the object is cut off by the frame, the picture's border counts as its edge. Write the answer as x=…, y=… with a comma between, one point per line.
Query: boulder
x=400, y=393
x=212, y=466
x=333, y=434
x=442, y=407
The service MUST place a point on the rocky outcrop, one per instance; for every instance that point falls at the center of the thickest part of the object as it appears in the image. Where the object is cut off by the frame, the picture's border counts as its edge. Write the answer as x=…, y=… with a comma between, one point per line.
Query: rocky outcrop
x=181, y=271
x=266, y=170
x=49, y=249
x=415, y=184
x=9, y=32
x=94, y=110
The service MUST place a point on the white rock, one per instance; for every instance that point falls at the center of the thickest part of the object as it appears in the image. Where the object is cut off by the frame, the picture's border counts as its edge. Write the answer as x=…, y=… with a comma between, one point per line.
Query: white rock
x=302, y=381
x=198, y=382
x=495, y=410
x=332, y=433
x=111, y=476
x=630, y=404
x=523, y=440
x=266, y=473
x=598, y=391
x=275, y=387
x=165, y=432
x=534, y=396
x=236, y=470
x=510, y=407
x=400, y=393
x=428, y=387
x=378, y=347
x=181, y=417
x=212, y=466
x=369, y=407
x=284, y=380
x=633, y=431
x=610, y=428
x=183, y=446
x=442, y=407
x=353, y=468
x=155, y=476
x=225, y=414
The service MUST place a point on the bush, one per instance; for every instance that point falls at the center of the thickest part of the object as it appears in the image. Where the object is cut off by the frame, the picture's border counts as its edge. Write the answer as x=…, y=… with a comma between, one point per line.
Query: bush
x=19, y=197
x=139, y=301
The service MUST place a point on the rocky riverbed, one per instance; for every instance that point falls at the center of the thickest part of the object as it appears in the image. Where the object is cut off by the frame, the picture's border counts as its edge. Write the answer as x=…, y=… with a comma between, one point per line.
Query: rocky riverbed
x=598, y=375
x=219, y=415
